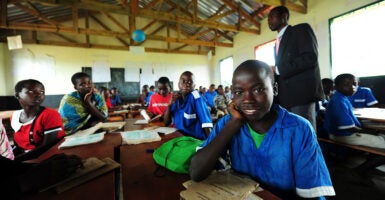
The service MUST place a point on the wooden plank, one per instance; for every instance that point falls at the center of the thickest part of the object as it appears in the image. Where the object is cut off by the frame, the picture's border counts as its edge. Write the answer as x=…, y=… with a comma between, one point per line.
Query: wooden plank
x=4, y=13
x=376, y=151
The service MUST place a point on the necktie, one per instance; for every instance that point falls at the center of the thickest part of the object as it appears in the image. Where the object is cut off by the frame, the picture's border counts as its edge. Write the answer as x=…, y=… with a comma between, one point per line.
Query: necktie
x=277, y=41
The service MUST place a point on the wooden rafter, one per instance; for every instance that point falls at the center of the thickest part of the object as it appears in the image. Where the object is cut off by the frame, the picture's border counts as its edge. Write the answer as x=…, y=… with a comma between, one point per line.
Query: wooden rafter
x=108, y=29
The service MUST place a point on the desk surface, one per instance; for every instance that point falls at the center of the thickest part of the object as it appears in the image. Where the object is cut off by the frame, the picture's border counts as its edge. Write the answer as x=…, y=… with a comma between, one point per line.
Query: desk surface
x=374, y=114
x=138, y=167
x=139, y=180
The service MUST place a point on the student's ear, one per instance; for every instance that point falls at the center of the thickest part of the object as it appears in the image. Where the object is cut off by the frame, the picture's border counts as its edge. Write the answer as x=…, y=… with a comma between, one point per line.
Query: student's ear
x=275, y=88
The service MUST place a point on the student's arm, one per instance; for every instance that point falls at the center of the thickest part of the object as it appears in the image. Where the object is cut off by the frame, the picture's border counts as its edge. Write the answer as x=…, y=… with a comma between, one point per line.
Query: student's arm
x=94, y=111
x=49, y=140
x=203, y=162
x=167, y=114
x=207, y=131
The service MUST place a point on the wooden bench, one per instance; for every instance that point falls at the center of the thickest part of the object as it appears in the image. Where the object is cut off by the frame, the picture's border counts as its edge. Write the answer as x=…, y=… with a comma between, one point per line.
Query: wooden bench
x=371, y=150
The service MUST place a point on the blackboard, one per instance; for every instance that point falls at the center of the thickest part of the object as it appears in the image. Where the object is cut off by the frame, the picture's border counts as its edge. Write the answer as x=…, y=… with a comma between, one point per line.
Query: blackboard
x=127, y=90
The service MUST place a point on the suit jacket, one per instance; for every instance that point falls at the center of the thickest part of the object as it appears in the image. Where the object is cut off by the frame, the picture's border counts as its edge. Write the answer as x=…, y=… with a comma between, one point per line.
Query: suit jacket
x=299, y=81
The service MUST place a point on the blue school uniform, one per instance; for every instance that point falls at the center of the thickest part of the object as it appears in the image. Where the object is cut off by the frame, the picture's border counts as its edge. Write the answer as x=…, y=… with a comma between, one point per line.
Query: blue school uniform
x=191, y=115
x=148, y=96
x=210, y=98
x=289, y=160
x=339, y=116
x=362, y=98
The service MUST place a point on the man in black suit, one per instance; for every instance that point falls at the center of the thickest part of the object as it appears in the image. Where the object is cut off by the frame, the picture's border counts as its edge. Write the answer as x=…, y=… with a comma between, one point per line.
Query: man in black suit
x=296, y=65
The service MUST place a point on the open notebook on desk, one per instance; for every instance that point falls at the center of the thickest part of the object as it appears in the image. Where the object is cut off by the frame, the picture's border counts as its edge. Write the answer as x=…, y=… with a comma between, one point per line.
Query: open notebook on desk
x=107, y=126
x=82, y=140
x=147, y=118
x=139, y=136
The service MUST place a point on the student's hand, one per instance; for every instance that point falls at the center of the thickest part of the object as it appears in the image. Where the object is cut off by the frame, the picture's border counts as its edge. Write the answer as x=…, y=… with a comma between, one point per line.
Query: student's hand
x=175, y=96
x=234, y=112
x=88, y=97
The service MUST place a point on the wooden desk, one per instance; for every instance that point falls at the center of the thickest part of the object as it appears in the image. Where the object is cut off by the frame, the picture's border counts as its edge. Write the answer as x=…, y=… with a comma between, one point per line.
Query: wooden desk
x=373, y=114
x=371, y=118
x=102, y=187
x=139, y=180
x=138, y=167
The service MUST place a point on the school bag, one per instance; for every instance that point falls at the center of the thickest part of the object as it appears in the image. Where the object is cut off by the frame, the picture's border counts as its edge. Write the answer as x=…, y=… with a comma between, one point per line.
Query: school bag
x=176, y=154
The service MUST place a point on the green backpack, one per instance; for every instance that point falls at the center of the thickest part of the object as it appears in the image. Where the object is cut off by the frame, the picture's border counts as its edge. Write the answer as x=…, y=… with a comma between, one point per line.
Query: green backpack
x=176, y=154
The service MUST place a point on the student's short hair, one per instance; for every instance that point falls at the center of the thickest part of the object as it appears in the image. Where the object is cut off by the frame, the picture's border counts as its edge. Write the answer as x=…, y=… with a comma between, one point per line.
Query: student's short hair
x=145, y=86
x=340, y=78
x=79, y=75
x=281, y=10
x=164, y=80
x=327, y=81
x=113, y=88
x=220, y=86
x=256, y=64
x=152, y=87
x=24, y=83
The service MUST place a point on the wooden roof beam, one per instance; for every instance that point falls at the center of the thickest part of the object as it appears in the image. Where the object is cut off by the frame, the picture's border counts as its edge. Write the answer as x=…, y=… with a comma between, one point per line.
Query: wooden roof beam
x=116, y=22
x=4, y=12
x=85, y=31
x=242, y=12
x=64, y=37
x=301, y=8
x=108, y=29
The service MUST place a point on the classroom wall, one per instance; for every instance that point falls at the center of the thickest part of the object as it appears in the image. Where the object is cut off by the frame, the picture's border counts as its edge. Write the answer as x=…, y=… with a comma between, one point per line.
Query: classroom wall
x=319, y=13
x=68, y=60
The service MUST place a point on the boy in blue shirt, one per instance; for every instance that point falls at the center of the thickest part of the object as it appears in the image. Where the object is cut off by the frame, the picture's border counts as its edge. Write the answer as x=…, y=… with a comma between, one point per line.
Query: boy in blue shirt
x=340, y=121
x=275, y=147
x=362, y=97
x=188, y=109
x=210, y=96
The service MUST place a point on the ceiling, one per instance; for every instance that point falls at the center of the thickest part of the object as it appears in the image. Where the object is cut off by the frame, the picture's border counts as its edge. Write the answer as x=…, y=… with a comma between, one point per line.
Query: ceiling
x=171, y=26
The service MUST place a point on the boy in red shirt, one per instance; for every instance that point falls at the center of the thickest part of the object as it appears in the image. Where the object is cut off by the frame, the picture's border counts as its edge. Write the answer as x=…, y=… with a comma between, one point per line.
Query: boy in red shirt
x=160, y=100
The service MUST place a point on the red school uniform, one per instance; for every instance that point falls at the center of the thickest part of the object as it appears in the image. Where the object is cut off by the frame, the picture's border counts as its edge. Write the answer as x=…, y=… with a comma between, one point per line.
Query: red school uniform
x=47, y=122
x=158, y=103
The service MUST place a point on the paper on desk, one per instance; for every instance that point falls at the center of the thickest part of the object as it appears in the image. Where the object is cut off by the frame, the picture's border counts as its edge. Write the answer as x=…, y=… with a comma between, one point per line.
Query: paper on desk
x=82, y=140
x=146, y=119
x=221, y=185
x=108, y=126
x=139, y=136
x=164, y=130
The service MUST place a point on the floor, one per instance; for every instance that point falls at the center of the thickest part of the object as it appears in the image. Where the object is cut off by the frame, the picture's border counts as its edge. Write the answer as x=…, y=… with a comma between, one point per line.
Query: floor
x=347, y=183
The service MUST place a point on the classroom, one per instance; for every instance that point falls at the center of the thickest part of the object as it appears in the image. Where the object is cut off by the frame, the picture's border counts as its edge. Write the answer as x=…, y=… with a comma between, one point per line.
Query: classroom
x=100, y=42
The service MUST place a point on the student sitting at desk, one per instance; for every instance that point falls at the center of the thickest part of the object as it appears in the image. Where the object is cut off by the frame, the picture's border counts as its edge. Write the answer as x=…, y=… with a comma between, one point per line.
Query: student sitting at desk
x=209, y=96
x=221, y=102
x=82, y=108
x=344, y=127
x=275, y=147
x=5, y=146
x=340, y=121
x=362, y=97
x=188, y=109
x=115, y=97
x=160, y=100
x=144, y=97
x=105, y=93
x=36, y=128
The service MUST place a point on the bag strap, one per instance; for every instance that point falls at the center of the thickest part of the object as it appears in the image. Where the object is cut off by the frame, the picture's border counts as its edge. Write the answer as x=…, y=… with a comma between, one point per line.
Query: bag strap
x=31, y=140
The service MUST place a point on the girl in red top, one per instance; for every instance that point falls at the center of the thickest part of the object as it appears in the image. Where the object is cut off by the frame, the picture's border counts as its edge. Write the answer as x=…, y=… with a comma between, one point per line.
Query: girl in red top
x=160, y=100
x=36, y=128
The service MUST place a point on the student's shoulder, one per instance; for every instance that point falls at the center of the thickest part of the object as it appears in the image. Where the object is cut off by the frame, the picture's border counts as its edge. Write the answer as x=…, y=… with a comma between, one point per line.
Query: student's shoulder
x=195, y=94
